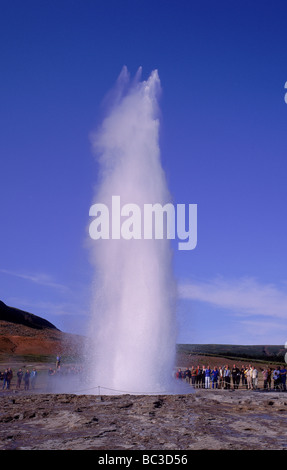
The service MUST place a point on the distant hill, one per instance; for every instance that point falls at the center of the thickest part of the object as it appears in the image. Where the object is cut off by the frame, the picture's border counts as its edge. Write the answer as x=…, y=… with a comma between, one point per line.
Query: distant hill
x=20, y=317
x=257, y=352
x=25, y=334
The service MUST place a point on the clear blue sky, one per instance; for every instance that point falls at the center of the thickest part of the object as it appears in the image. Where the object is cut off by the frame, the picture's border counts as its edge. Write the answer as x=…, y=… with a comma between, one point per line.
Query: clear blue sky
x=223, y=66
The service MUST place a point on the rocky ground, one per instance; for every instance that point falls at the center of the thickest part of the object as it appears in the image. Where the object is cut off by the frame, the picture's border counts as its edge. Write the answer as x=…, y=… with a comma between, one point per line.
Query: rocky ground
x=206, y=419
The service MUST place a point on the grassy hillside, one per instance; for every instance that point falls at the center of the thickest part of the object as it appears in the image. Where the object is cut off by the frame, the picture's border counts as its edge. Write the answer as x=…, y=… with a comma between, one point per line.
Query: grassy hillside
x=270, y=353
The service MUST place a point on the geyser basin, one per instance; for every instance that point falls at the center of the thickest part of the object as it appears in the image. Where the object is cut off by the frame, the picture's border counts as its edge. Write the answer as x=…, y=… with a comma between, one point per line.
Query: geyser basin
x=133, y=322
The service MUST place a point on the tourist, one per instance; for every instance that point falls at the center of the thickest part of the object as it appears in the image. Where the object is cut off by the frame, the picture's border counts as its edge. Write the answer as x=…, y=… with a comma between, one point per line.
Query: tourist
x=52, y=372
x=220, y=377
x=207, y=377
x=214, y=377
x=269, y=378
x=203, y=377
x=9, y=377
x=254, y=378
x=187, y=375
x=235, y=376
x=27, y=380
x=58, y=361
x=19, y=378
x=198, y=377
x=265, y=378
x=5, y=378
x=283, y=378
x=33, y=377
x=226, y=375
x=243, y=376
x=193, y=376
x=249, y=378
x=276, y=378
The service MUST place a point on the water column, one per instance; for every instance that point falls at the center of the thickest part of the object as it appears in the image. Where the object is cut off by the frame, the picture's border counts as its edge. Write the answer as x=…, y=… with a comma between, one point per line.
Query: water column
x=133, y=323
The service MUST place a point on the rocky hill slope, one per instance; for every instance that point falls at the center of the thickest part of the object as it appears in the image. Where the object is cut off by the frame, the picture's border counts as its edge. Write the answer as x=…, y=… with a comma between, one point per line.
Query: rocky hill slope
x=20, y=317
x=23, y=333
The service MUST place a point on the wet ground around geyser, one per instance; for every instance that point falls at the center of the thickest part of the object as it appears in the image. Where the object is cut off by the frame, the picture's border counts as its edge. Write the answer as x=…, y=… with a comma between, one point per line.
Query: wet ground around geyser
x=206, y=419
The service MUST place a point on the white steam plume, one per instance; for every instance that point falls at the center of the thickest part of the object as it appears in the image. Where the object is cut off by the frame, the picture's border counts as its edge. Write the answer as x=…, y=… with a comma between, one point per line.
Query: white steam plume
x=133, y=325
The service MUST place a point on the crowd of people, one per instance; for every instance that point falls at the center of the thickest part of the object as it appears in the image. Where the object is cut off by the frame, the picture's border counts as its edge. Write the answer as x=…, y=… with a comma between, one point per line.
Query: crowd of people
x=25, y=379
x=226, y=377
x=222, y=377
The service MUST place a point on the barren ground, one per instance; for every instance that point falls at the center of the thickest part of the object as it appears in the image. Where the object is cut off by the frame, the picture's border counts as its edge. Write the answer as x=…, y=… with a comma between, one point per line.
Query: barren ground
x=206, y=419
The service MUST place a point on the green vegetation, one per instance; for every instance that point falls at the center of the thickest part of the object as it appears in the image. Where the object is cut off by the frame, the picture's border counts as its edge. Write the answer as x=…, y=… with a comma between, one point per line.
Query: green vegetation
x=270, y=353
x=27, y=358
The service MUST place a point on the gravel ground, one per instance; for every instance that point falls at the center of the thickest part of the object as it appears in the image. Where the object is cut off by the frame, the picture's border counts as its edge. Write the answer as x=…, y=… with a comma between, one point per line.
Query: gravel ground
x=203, y=420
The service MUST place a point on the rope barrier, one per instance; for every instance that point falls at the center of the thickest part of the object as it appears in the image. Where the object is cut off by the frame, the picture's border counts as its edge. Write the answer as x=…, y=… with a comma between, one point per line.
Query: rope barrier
x=99, y=387
x=217, y=385
x=220, y=385
x=133, y=393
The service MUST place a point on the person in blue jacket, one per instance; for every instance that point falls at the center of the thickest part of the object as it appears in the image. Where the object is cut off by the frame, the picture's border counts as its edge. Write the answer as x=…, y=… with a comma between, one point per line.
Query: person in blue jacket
x=207, y=377
x=214, y=377
x=283, y=372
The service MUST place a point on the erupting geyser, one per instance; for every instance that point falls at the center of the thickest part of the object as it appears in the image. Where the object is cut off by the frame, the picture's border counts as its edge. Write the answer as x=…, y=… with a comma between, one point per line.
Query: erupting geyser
x=133, y=324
